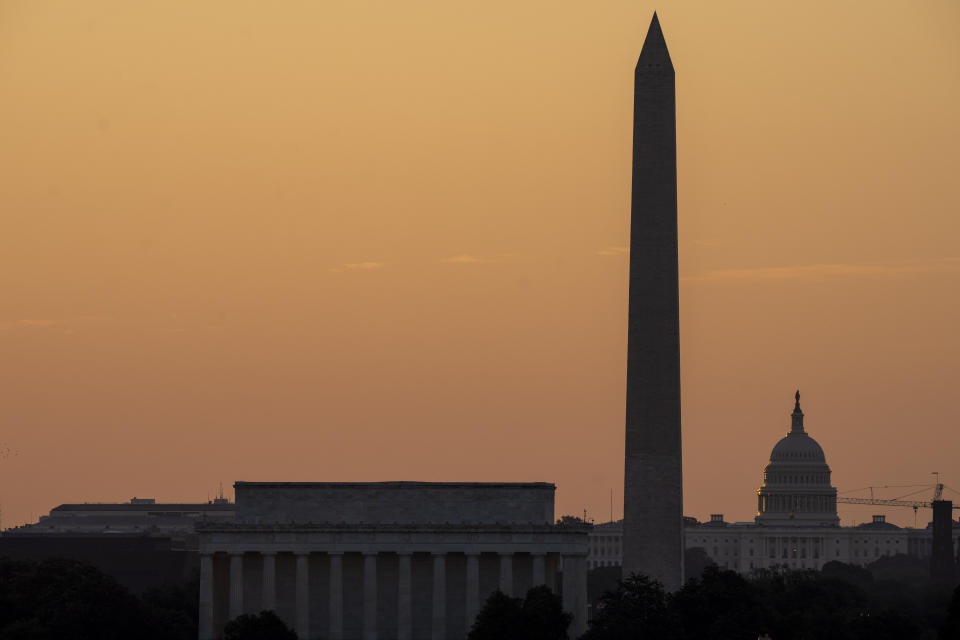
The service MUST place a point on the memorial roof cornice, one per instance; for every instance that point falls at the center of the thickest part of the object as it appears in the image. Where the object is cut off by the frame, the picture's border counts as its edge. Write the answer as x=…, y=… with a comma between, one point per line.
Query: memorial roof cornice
x=138, y=507
x=404, y=484
x=398, y=527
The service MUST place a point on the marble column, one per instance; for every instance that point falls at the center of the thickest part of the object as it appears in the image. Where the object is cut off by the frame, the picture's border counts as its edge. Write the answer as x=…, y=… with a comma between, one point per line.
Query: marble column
x=439, y=597
x=506, y=573
x=206, y=596
x=473, y=589
x=404, y=597
x=575, y=592
x=303, y=595
x=336, y=596
x=269, y=597
x=236, y=586
x=369, y=596
x=539, y=568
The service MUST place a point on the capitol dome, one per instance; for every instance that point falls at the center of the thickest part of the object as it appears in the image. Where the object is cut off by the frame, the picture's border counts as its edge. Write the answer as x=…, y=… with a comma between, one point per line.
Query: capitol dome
x=796, y=487
x=796, y=447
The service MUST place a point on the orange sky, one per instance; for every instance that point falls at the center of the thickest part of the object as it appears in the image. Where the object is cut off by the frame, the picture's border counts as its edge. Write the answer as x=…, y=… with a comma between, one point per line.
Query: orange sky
x=379, y=240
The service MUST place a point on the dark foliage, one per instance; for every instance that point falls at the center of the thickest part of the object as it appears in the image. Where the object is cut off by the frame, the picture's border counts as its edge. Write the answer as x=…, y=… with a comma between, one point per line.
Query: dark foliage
x=804, y=604
x=842, y=602
x=695, y=562
x=951, y=626
x=539, y=616
x=176, y=608
x=543, y=617
x=719, y=605
x=603, y=579
x=600, y=580
x=637, y=609
x=265, y=626
x=62, y=598
x=848, y=573
x=902, y=568
x=500, y=617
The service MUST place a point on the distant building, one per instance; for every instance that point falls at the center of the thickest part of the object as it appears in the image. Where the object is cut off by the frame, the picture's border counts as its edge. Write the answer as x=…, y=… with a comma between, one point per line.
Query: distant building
x=141, y=543
x=796, y=524
x=385, y=559
x=605, y=546
x=744, y=546
x=140, y=515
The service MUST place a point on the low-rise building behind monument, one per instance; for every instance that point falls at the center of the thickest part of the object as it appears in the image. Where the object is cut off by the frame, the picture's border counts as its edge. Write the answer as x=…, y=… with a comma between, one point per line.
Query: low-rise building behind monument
x=141, y=543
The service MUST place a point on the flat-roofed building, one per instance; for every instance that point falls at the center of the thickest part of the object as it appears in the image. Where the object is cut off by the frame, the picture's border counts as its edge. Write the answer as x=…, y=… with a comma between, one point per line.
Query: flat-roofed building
x=140, y=515
x=403, y=560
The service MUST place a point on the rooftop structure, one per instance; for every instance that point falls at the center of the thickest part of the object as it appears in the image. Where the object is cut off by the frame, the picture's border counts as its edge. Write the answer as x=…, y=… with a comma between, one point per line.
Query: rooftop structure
x=373, y=503
x=140, y=515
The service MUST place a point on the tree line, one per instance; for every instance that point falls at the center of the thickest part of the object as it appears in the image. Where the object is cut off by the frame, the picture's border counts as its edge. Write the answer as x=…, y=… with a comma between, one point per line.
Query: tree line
x=63, y=598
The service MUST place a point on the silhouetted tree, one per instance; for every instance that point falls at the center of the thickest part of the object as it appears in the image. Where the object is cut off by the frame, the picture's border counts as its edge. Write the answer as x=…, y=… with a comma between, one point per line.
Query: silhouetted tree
x=805, y=604
x=842, y=602
x=63, y=598
x=176, y=608
x=950, y=630
x=543, y=617
x=902, y=568
x=847, y=572
x=721, y=604
x=267, y=625
x=695, y=562
x=637, y=609
x=539, y=616
x=602, y=579
x=885, y=624
x=500, y=619
x=31, y=629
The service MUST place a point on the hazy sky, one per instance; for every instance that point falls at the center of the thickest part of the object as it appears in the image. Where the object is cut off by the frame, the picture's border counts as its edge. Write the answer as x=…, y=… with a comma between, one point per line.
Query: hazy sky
x=381, y=240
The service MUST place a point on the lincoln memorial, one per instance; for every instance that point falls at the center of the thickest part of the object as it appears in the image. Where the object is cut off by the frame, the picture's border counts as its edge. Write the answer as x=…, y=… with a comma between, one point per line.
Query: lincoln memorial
x=385, y=560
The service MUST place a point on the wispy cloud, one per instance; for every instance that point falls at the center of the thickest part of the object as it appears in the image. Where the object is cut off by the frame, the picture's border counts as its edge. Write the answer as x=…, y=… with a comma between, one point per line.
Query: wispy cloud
x=707, y=243
x=66, y=325
x=820, y=271
x=614, y=251
x=27, y=323
x=37, y=323
x=464, y=258
x=358, y=266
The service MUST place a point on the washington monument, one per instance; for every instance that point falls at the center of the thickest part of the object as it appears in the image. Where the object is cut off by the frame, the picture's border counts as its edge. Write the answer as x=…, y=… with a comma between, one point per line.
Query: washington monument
x=653, y=478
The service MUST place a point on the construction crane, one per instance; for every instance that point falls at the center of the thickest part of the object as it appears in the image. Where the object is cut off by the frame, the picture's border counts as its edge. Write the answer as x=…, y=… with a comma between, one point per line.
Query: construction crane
x=916, y=504
x=897, y=502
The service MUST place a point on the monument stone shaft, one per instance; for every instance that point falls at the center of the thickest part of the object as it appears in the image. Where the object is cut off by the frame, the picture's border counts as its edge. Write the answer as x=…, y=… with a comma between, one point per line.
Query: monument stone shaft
x=653, y=479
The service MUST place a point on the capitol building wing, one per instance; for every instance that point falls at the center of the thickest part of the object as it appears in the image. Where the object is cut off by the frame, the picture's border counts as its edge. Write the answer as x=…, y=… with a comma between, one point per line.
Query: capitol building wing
x=796, y=525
